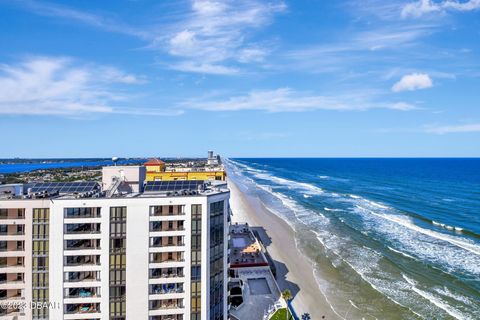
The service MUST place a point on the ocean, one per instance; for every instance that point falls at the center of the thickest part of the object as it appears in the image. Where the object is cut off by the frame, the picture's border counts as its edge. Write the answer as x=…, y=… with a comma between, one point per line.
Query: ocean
x=388, y=238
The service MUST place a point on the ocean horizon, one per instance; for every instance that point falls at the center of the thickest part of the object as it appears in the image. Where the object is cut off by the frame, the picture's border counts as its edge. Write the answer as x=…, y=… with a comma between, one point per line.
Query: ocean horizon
x=388, y=237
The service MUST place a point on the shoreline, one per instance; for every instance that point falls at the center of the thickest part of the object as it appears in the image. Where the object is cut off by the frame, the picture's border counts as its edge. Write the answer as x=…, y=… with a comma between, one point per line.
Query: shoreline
x=294, y=271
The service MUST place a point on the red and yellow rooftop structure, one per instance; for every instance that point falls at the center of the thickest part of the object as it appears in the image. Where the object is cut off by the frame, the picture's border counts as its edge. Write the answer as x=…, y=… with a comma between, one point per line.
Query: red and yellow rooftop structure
x=156, y=171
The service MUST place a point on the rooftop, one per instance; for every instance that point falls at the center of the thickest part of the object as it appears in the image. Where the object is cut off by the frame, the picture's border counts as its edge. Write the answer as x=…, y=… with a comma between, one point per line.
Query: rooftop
x=260, y=293
x=254, y=292
x=154, y=162
x=245, y=250
x=92, y=189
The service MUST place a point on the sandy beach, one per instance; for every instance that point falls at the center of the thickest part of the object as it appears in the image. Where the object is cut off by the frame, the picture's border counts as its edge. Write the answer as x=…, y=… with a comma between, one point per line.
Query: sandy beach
x=294, y=270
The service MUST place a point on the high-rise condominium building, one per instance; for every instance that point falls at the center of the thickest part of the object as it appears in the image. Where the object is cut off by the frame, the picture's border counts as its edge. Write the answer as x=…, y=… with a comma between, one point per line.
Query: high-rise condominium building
x=73, y=251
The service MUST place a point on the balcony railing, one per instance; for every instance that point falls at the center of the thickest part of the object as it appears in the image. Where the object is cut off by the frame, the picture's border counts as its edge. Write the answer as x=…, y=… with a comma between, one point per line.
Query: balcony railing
x=82, y=293
x=12, y=265
x=14, y=281
x=160, y=260
x=158, y=226
x=83, y=276
x=166, y=305
x=83, y=229
x=162, y=211
x=82, y=245
x=82, y=261
x=83, y=308
x=167, y=275
x=159, y=244
x=166, y=288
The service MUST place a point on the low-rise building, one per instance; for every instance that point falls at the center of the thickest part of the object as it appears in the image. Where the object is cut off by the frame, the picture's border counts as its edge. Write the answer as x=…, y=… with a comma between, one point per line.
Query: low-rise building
x=212, y=169
x=253, y=292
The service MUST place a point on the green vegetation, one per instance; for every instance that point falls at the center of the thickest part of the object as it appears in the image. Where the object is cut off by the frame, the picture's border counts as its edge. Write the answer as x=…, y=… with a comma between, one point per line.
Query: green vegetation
x=281, y=314
x=287, y=295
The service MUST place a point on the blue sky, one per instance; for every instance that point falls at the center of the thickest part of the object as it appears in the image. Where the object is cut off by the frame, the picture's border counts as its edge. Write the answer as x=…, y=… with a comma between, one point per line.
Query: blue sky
x=245, y=78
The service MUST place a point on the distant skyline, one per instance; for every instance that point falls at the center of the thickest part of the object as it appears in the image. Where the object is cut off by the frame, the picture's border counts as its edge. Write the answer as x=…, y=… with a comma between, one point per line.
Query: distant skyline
x=253, y=78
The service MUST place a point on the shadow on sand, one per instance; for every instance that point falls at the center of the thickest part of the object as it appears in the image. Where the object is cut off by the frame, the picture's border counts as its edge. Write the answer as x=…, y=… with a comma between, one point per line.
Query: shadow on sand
x=279, y=269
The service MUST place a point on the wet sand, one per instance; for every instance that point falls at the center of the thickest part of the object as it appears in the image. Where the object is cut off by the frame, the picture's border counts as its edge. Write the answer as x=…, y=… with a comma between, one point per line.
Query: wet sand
x=294, y=270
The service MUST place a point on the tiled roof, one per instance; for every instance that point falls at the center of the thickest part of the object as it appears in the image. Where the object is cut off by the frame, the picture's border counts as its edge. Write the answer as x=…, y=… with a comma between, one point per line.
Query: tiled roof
x=154, y=162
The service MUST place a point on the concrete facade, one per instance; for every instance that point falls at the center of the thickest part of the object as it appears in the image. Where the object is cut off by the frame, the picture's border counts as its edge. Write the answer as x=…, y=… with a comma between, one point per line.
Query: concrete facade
x=158, y=240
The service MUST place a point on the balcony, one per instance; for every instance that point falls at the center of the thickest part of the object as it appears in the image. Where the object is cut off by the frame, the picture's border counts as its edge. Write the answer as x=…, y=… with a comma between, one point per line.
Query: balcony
x=170, y=210
x=82, y=293
x=13, y=294
x=12, y=246
x=168, y=317
x=73, y=261
x=73, y=213
x=166, y=273
x=12, y=230
x=166, y=257
x=166, y=304
x=12, y=214
x=11, y=263
x=159, y=226
x=82, y=308
x=82, y=276
x=166, y=288
x=12, y=281
x=85, y=244
x=157, y=242
x=82, y=228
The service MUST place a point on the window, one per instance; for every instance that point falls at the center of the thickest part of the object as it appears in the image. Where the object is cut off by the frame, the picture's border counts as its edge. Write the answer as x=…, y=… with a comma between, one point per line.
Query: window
x=40, y=260
x=196, y=257
x=118, y=260
x=217, y=257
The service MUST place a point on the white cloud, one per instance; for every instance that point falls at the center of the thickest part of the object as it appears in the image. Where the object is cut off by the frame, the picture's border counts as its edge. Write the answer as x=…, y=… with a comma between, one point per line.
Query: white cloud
x=211, y=37
x=248, y=55
x=365, y=50
x=215, y=34
x=63, y=86
x=423, y=7
x=55, y=10
x=414, y=81
x=208, y=68
x=465, y=128
x=288, y=100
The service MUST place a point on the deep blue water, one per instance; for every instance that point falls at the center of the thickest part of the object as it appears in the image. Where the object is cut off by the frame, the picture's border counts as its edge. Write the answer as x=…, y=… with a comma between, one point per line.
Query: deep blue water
x=27, y=167
x=409, y=228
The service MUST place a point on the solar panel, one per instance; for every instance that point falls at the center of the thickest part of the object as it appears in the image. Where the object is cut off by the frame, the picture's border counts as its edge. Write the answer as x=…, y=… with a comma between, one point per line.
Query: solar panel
x=65, y=187
x=173, y=185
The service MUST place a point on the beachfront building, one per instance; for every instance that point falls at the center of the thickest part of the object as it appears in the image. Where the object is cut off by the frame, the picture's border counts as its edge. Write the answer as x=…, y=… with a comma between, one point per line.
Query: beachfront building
x=253, y=292
x=70, y=251
x=212, y=169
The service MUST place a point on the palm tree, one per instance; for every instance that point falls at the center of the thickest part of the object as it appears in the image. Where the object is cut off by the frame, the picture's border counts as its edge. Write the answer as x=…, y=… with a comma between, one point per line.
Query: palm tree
x=306, y=316
x=287, y=295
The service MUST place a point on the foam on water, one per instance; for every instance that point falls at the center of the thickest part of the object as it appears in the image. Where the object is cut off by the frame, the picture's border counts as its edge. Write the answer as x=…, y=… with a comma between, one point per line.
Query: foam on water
x=424, y=244
x=446, y=226
x=333, y=210
x=439, y=303
x=458, y=254
x=402, y=253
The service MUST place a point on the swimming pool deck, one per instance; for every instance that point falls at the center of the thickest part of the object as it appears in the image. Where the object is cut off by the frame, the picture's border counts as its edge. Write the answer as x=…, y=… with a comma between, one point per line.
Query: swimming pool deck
x=260, y=293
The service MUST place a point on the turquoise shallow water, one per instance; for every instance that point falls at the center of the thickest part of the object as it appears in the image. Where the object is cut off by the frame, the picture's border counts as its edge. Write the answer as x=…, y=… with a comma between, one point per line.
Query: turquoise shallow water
x=390, y=238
